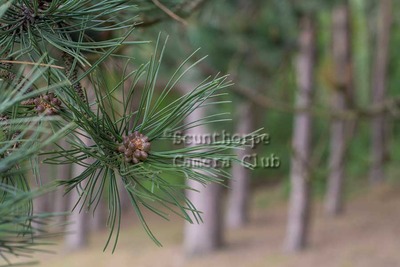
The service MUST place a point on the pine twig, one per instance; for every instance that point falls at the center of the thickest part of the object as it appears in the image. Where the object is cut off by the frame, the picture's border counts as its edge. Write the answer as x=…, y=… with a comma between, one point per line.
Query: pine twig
x=31, y=63
x=169, y=12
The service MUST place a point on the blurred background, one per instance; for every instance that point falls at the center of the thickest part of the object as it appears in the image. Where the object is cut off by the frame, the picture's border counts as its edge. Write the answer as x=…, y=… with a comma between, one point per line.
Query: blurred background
x=321, y=78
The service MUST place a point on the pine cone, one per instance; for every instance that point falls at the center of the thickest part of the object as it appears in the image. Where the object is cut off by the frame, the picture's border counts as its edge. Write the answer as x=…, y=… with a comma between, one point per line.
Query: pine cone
x=135, y=147
x=48, y=104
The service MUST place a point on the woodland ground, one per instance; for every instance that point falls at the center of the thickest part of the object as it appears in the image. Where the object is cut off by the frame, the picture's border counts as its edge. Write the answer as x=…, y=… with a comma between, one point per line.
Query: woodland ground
x=368, y=235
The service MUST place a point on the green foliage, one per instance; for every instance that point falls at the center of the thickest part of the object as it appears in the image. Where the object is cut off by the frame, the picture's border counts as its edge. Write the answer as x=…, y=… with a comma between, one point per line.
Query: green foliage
x=105, y=128
x=18, y=236
x=23, y=135
x=60, y=93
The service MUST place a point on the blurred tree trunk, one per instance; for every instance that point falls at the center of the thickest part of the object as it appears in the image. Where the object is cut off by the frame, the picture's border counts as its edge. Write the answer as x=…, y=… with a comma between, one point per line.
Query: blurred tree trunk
x=124, y=197
x=99, y=219
x=42, y=204
x=238, y=208
x=205, y=237
x=61, y=201
x=299, y=206
x=78, y=222
x=379, y=144
x=341, y=100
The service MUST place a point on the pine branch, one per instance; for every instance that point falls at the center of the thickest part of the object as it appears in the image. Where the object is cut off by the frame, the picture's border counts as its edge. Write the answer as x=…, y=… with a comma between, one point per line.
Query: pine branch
x=125, y=144
x=122, y=148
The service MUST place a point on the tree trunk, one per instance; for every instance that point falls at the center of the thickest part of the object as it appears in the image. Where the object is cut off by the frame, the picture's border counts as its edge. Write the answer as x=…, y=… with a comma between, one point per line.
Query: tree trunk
x=205, y=237
x=61, y=200
x=238, y=208
x=341, y=99
x=78, y=227
x=99, y=218
x=124, y=197
x=379, y=144
x=299, y=209
x=42, y=204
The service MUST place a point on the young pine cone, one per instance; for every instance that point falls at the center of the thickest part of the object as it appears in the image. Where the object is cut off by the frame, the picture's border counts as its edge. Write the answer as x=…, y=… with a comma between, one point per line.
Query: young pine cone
x=72, y=74
x=47, y=104
x=5, y=72
x=135, y=147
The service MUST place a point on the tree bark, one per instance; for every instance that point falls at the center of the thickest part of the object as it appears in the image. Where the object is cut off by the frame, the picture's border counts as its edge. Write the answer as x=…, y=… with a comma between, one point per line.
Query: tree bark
x=78, y=222
x=299, y=205
x=203, y=238
x=341, y=98
x=124, y=197
x=379, y=144
x=238, y=203
x=61, y=200
x=99, y=218
x=206, y=237
x=42, y=204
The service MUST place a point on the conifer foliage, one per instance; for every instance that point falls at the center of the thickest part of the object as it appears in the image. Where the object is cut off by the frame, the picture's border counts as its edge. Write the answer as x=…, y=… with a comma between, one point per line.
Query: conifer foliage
x=52, y=56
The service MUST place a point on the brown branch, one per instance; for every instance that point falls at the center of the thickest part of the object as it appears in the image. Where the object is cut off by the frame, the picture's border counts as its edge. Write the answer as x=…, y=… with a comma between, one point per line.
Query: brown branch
x=193, y=6
x=169, y=12
x=31, y=63
x=389, y=106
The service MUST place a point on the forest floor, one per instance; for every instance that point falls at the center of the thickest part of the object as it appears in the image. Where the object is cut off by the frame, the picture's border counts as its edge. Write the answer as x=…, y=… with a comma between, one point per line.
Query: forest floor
x=367, y=235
